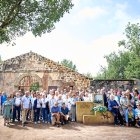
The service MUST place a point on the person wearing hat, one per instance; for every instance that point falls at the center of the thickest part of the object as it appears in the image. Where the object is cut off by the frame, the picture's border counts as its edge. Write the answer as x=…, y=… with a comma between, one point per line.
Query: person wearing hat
x=130, y=116
x=137, y=114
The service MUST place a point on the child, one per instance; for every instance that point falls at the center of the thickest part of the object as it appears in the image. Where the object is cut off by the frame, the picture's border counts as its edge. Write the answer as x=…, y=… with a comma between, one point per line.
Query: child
x=7, y=107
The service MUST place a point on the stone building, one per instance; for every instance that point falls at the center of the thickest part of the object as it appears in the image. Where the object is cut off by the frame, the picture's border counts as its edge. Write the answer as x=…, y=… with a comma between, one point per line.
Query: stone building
x=22, y=72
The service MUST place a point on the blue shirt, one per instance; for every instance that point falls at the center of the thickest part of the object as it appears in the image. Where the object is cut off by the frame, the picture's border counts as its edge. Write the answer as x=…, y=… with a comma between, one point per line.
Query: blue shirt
x=55, y=109
x=65, y=111
x=111, y=104
x=3, y=99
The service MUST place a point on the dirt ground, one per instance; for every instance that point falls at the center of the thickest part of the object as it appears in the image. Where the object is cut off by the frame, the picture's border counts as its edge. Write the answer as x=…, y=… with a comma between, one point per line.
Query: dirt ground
x=73, y=131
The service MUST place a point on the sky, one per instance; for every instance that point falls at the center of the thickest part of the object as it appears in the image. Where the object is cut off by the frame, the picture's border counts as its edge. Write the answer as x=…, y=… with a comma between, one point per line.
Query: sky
x=90, y=31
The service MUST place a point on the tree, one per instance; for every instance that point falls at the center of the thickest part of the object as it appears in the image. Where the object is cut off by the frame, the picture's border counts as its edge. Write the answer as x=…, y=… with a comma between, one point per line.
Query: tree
x=69, y=64
x=38, y=16
x=132, y=33
x=132, y=44
x=125, y=64
x=0, y=60
x=117, y=63
x=88, y=74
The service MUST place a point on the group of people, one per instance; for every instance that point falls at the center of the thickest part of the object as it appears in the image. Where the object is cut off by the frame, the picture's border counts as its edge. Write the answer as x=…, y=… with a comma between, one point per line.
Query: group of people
x=56, y=107
x=59, y=107
x=124, y=105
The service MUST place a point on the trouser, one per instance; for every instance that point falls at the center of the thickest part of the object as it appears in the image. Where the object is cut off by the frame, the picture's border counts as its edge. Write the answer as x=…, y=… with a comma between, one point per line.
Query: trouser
x=15, y=111
x=24, y=115
x=0, y=109
x=73, y=112
x=49, y=117
x=118, y=117
x=131, y=121
x=36, y=114
x=45, y=114
x=64, y=119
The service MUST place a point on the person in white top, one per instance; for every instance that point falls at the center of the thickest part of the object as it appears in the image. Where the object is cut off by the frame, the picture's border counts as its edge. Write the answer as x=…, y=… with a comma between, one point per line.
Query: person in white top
x=60, y=101
x=86, y=97
x=36, y=107
x=44, y=102
x=56, y=95
x=25, y=106
x=17, y=107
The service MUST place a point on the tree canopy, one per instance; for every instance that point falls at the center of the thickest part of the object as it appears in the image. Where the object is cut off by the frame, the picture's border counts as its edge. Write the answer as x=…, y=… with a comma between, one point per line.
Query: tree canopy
x=125, y=64
x=69, y=64
x=38, y=16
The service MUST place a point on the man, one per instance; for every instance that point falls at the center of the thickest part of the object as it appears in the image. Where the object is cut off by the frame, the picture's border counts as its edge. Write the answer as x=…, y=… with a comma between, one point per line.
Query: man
x=37, y=107
x=64, y=114
x=25, y=107
x=17, y=106
x=55, y=111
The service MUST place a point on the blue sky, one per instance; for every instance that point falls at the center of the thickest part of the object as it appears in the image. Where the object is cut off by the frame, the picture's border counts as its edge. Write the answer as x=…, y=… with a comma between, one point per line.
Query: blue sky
x=91, y=30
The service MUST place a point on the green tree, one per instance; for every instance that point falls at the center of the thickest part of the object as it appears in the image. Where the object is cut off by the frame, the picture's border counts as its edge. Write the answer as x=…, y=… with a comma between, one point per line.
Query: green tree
x=132, y=44
x=69, y=64
x=38, y=16
x=34, y=87
x=0, y=60
x=125, y=64
x=117, y=63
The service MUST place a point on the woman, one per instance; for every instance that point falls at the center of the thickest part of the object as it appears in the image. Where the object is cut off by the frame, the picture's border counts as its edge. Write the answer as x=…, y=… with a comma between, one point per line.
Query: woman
x=114, y=108
x=7, y=108
x=124, y=102
x=130, y=116
x=137, y=114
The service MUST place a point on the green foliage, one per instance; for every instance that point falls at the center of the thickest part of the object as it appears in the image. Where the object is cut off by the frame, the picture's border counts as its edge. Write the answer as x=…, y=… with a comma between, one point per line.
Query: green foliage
x=125, y=64
x=100, y=109
x=34, y=87
x=38, y=16
x=0, y=60
x=69, y=64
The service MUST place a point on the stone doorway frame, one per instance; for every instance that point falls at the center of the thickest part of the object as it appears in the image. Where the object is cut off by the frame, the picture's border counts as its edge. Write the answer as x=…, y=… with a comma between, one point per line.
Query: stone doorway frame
x=27, y=75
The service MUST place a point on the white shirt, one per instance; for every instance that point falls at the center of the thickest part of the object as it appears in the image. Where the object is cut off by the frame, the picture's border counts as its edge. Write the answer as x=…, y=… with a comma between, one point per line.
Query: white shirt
x=38, y=103
x=17, y=101
x=51, y=102
x=86, y=99
x=44, y=101
x=60, y=101
x=25, y=102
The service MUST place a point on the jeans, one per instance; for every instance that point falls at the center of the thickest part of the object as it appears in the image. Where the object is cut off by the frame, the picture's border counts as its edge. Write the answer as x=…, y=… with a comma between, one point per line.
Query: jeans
x=117, y=117
x=73, y=112
x=15, y=111
x=45, y=114
x=36, y=115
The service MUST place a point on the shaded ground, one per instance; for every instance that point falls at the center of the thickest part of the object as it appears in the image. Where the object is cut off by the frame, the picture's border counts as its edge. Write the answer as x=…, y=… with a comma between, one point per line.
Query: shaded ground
x=73, y=131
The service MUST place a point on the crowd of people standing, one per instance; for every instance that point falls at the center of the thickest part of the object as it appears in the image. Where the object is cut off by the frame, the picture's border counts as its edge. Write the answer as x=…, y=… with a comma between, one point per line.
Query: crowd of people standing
x=59, y=107
x=56, y=107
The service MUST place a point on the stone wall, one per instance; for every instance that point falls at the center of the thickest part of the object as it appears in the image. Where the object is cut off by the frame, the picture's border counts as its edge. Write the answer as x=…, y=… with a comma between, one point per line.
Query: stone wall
x=48, y=72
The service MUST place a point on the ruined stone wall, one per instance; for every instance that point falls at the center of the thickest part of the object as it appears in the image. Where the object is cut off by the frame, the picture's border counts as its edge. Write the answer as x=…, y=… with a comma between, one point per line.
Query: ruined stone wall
x=48, y=72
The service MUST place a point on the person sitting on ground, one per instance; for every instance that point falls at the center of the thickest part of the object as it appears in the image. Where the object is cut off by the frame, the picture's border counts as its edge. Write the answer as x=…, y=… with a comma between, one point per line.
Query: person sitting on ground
x=137, y=114
x=64, y=114
x=130, y=116
x=55, y=112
